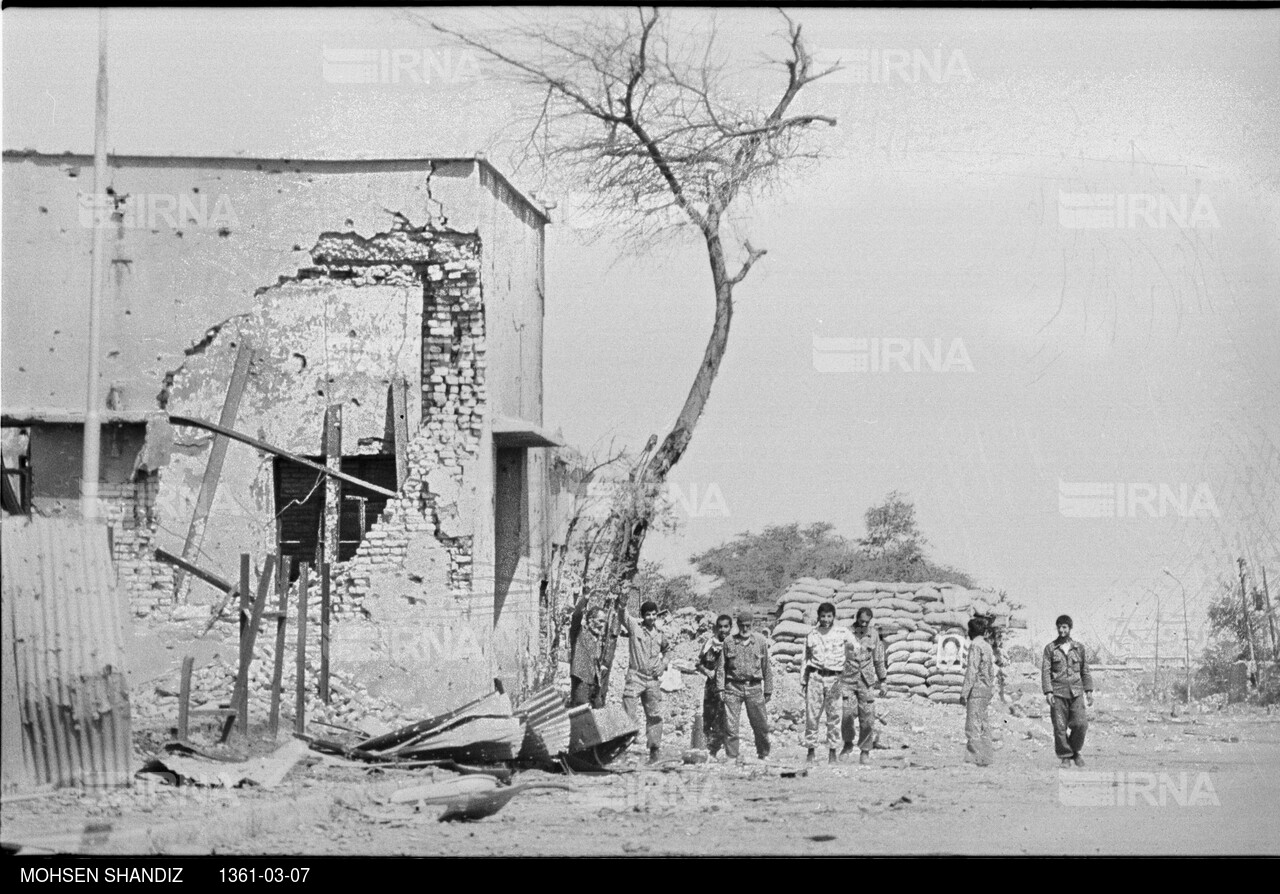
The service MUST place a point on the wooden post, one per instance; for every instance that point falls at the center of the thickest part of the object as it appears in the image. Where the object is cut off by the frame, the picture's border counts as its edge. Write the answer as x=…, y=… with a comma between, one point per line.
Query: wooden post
x=400, y=429
x=282, y=617
x=300, y=704
x=213, y=469
x=331, y=523
x=248, y=637
x=324, y=633
x=184, y=698
x=242, y=669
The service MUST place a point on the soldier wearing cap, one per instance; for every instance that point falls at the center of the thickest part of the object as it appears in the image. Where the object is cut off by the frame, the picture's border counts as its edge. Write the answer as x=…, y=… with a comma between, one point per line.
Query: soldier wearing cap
x=747, y=678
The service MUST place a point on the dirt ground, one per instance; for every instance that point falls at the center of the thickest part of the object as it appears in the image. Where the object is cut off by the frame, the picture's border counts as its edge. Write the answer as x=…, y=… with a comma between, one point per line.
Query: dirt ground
x=1211, y=786
x=1203, y=783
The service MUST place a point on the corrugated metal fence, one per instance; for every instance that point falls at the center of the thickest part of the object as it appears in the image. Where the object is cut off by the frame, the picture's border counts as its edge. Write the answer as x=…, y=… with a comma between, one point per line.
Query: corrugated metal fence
x=64, y=651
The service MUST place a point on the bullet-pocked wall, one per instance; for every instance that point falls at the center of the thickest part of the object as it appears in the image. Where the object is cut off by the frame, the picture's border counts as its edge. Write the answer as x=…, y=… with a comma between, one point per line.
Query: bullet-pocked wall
x=341, y=277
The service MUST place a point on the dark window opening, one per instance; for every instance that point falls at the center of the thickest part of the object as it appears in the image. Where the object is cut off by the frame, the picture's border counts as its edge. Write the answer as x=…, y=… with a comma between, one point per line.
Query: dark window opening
x=300, y=504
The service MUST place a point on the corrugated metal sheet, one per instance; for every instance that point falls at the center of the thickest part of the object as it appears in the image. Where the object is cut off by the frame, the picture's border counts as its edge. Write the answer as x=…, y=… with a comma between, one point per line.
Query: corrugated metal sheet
x=546, y=725
x=66, y=653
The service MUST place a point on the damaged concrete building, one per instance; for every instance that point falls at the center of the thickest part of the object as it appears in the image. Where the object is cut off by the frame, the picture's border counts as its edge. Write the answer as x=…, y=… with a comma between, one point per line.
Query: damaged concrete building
x=381, y=318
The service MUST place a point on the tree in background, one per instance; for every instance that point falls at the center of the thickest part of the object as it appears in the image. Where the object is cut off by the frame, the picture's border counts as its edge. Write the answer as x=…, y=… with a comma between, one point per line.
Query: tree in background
x=755, y=568
x=892, y=532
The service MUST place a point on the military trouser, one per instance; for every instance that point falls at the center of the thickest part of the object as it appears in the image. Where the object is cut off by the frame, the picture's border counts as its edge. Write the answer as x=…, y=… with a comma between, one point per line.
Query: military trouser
x=977, y=730
x=1070, y=722
x=752, y=695
x=644, y=691
x=713, y=718
x=822, y=697
x=859, y=700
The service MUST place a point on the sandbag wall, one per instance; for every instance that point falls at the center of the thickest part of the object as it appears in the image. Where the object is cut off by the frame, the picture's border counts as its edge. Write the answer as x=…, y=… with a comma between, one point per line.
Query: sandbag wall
x=910, y=618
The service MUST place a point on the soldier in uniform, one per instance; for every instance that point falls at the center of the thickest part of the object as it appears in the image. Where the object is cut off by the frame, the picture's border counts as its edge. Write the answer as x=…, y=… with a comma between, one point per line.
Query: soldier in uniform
x=1067, y=685
x=975, y=694
x=711, y=666
x=648, y=647
x=748, y=679
x=864, y=673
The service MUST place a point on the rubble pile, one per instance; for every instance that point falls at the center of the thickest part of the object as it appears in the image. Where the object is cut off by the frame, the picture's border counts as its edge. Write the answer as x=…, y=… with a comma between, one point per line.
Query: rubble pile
x=350, y=703
x=910, y=617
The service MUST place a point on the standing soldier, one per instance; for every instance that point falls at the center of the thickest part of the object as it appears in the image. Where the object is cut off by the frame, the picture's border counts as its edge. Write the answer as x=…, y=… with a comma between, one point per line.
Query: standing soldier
x=747, y=678
x=975, y=694
x=711, y=666
x=647, y=650
x=823, y=666
x=1067, y=684
x=864, y=672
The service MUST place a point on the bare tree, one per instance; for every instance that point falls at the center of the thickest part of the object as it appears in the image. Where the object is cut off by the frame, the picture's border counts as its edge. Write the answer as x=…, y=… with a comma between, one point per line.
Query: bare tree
x=642, y=118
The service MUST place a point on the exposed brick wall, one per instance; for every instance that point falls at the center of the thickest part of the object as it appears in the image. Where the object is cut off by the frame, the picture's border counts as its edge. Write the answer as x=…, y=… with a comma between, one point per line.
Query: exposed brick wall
x=453, y=402
x=130, y=511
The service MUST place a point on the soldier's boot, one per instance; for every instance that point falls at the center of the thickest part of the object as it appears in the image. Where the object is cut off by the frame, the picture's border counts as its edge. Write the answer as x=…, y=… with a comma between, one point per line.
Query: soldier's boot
x=831, y=756
x=653, y=754
x=1078, y=761
x=809, y=758
x=846, y=750
x=864, y=759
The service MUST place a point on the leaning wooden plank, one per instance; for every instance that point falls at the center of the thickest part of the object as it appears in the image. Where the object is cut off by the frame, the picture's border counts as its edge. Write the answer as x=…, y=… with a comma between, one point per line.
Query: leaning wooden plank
x=251, y=637
x=229, y=589
x=242, y=666
x=277, y=451
x=217, y=453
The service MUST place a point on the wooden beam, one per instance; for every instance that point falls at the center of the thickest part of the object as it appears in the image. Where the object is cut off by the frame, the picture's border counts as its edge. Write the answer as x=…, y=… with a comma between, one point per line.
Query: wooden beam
x=242, y=668
x=331, y=520
x=247, y=640
x=300, y=700
x=229, y=589
x=184, y=698
x=217, y=453
x=277, y=451
x=282, y=615
x=324, y=633
x=400, y=421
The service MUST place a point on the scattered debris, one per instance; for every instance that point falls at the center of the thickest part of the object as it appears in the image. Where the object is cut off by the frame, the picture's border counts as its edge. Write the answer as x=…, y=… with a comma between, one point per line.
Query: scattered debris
x=198, y=769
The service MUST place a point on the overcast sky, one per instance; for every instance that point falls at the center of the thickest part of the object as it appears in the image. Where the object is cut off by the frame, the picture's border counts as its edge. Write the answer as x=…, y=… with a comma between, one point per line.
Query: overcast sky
x=967, y=206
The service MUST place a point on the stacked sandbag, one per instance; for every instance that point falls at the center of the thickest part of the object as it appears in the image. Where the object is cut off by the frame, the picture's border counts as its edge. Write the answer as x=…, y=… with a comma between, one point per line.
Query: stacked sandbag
x=797, y=615
x=909, y=618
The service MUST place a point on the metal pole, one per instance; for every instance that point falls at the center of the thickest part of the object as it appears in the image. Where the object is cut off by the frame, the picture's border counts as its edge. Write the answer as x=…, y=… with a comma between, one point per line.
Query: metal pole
x=92, y=417
x=1186, y=635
